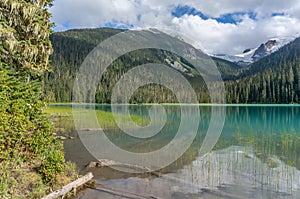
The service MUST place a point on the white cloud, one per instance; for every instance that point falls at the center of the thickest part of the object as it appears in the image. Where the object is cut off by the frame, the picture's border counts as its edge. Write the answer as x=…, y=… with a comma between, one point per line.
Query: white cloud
x=209, y=34
x=93, y=13
x=217, y=37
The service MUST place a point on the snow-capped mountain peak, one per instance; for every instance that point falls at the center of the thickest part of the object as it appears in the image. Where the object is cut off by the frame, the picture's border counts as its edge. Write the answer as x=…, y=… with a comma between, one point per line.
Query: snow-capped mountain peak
x=252, y=55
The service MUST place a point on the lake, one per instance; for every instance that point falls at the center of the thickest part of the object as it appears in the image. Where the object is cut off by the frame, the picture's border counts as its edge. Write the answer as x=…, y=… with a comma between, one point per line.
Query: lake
x=256, y=156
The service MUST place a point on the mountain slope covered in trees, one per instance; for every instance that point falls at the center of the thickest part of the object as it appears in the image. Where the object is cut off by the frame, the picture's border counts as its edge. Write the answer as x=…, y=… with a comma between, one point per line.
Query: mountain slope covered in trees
x=71, y=47
x=273, y=79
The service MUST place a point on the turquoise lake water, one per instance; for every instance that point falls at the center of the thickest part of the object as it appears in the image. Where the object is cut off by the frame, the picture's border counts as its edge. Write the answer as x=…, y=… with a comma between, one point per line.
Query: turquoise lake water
x=256, y=156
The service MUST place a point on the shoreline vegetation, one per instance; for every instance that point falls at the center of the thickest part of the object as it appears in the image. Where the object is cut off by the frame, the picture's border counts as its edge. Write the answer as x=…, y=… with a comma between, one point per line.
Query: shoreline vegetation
x=173, y=104
x=31, y=159
x=62, y=118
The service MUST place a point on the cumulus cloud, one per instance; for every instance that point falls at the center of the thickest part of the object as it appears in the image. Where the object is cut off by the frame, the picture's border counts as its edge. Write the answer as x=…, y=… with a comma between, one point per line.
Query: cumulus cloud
x=93, y=13
x=215, y=37
x=270, y=18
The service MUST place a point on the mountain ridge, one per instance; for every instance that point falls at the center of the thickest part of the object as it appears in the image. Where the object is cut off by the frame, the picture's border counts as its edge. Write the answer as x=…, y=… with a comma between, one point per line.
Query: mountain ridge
x=251, y=55
x=272, y=79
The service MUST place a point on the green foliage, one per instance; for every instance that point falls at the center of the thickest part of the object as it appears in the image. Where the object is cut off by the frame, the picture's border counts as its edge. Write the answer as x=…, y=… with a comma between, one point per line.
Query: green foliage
x=64, y=118
x=25, y=34
x=26, y=140
x=70, y=49
x=25, y=131
x=52, y=164
x=21, y=184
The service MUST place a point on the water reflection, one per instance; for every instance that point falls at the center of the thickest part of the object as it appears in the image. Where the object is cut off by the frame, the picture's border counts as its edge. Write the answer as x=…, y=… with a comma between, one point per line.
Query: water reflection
x=257, y=155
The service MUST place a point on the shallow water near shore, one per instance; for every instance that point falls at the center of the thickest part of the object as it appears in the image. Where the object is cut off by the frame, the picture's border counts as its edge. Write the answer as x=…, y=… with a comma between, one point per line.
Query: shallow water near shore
x=256, y=156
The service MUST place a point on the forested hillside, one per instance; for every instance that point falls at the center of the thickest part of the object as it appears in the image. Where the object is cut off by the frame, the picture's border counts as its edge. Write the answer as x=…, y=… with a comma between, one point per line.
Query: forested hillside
x=273, y=79
x=71, y=47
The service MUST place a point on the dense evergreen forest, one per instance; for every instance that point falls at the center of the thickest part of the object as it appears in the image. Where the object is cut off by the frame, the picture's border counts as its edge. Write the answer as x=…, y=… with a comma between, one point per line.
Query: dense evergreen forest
x=273, y=79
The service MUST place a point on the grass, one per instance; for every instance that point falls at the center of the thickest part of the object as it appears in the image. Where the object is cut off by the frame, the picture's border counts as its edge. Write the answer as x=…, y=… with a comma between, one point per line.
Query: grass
x=64, y=120
x=286, y=146
x=58, y=110
x=27, y=183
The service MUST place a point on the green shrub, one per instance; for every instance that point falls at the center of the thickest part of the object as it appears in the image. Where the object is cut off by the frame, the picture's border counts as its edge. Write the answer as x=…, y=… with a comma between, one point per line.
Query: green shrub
x=27, y=144
x=52, y=165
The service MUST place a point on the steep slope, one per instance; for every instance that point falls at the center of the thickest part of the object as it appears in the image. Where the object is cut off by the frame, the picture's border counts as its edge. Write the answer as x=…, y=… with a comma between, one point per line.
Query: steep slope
x=252, y=55
x=228, y=70
x=273, y=79
x=71, y=47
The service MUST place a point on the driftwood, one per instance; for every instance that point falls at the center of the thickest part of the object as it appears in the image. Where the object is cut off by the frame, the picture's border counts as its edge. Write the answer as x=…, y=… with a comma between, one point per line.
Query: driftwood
x=69, y=187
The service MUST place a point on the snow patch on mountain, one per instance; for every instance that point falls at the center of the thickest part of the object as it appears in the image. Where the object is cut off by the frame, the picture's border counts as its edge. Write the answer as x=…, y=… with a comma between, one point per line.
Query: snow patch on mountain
x=252, y=55
x=176, y=65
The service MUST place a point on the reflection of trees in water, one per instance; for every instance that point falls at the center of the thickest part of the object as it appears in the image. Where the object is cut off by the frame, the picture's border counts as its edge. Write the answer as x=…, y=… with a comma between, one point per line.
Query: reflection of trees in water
x=275, y=119
x=270, y=132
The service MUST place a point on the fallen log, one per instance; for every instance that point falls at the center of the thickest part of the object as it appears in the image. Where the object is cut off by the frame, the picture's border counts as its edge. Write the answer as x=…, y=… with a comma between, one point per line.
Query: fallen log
x=69, y=187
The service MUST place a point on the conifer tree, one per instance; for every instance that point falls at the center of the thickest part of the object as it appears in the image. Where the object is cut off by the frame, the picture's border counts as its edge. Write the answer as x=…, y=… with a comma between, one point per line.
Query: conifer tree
x=25, y=132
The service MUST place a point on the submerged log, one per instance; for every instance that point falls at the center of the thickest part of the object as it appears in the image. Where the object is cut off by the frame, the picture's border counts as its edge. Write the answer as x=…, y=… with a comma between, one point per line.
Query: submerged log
x=112, y=163
x=123, y=193
x=91, y=129
x=69, y=187
x=141, y=169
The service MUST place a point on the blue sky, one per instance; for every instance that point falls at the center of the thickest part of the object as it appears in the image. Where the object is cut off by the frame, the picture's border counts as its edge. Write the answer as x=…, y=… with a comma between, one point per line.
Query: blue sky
x=232, y=18
x=220, y=26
